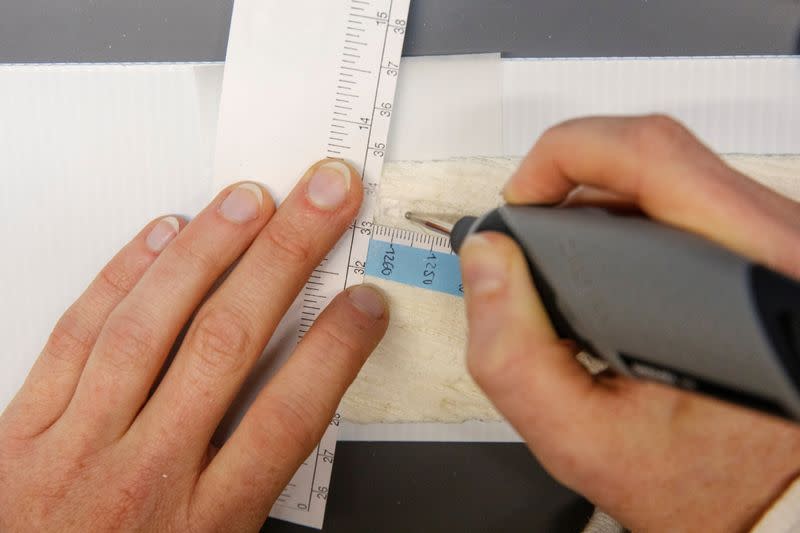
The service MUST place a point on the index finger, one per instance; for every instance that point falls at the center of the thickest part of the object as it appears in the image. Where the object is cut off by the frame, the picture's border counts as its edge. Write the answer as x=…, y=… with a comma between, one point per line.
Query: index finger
x=230, y=330
x=657, y=163
x=289, y=416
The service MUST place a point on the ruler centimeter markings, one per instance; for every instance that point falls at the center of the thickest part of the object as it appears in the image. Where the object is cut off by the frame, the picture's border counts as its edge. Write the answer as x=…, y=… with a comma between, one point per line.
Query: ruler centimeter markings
x=288, y=97
x=402, y=256
x=362, y=105
x=414, y=258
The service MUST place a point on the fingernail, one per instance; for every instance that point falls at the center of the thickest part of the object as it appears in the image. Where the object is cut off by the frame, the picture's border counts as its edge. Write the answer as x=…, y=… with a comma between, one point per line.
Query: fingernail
x=243, y=204
x=485, y=270
x=162, y=234
x=368, y=300
x=329, y=184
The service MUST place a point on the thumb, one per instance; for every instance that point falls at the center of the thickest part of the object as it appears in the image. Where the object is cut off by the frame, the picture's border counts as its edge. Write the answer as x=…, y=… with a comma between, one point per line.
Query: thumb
x=514, y=354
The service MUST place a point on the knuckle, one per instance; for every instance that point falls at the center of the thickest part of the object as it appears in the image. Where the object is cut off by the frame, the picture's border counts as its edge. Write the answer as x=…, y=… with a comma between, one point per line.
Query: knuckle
x=492, y=368
x=288, y=243
x=220, y=337
x=656, y=135
x=550, y=136
x=70, y=338
x=336, y=348
x=556, y=129
x=117, y=279
x=127, y=341
x=190, y=255
x=561, y=130
x=286, y=427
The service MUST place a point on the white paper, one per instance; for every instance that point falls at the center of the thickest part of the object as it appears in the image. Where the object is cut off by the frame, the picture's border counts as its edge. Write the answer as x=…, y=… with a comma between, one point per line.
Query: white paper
x=88, y=156
x=90, y=153
x=272, y=65
x=277, y=94
x=472, y=431
x=735, y=104
x=448, y=106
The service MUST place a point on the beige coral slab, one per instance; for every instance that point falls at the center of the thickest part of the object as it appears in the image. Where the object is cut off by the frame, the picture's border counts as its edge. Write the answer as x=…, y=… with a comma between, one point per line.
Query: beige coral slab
x=418, y=373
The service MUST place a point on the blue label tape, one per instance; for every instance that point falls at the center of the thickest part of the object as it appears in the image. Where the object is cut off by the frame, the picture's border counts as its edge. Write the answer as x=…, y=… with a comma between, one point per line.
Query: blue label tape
x=427, y=269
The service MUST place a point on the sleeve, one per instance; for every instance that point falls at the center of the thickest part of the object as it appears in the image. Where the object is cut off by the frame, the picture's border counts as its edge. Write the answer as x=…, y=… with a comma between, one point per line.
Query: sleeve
x=784, y=514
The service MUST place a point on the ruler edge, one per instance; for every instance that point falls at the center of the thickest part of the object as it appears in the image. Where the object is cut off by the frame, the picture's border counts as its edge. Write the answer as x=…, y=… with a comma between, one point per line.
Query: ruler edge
x=330, y=435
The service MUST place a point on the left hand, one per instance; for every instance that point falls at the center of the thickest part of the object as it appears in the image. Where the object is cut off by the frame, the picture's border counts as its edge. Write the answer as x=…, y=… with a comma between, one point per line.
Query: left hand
x=94, y=442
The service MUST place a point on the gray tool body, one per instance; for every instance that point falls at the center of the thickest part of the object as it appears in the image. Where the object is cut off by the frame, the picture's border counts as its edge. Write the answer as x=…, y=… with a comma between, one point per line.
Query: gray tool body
x=659, y=303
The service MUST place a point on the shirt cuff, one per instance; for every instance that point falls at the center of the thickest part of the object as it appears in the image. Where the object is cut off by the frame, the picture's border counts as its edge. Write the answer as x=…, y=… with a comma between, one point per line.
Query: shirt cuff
x=784, y=514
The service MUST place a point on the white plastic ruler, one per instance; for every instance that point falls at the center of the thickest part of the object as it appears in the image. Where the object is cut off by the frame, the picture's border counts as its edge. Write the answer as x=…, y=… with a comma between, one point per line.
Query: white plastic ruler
x=306, y=79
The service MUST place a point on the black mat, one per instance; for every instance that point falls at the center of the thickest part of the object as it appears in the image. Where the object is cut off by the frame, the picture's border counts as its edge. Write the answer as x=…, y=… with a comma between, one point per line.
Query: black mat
x=431, y=487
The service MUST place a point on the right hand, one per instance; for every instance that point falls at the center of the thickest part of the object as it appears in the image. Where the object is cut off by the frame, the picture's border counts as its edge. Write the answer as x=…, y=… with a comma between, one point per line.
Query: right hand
x=656, y=458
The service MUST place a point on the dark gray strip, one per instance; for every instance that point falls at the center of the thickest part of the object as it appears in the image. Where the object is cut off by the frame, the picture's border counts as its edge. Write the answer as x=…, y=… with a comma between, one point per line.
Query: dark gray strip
x=196, y=30
x=433, y=487
x=577, y=28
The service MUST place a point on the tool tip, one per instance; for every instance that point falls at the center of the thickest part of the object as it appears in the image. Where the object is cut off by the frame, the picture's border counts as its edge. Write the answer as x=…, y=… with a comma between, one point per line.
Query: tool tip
x=429, y=223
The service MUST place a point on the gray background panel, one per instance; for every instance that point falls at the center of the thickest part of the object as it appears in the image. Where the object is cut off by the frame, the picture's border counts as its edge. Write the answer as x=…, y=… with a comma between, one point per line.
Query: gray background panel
x=196, y=30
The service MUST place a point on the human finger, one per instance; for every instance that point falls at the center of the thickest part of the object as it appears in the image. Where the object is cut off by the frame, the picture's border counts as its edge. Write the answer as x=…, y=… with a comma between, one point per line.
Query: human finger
x=588, y=196
x=52, y=381
x=671, y=175
x=292, y=412
x=134, y=343
x=514, y=353
x=230, y=331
